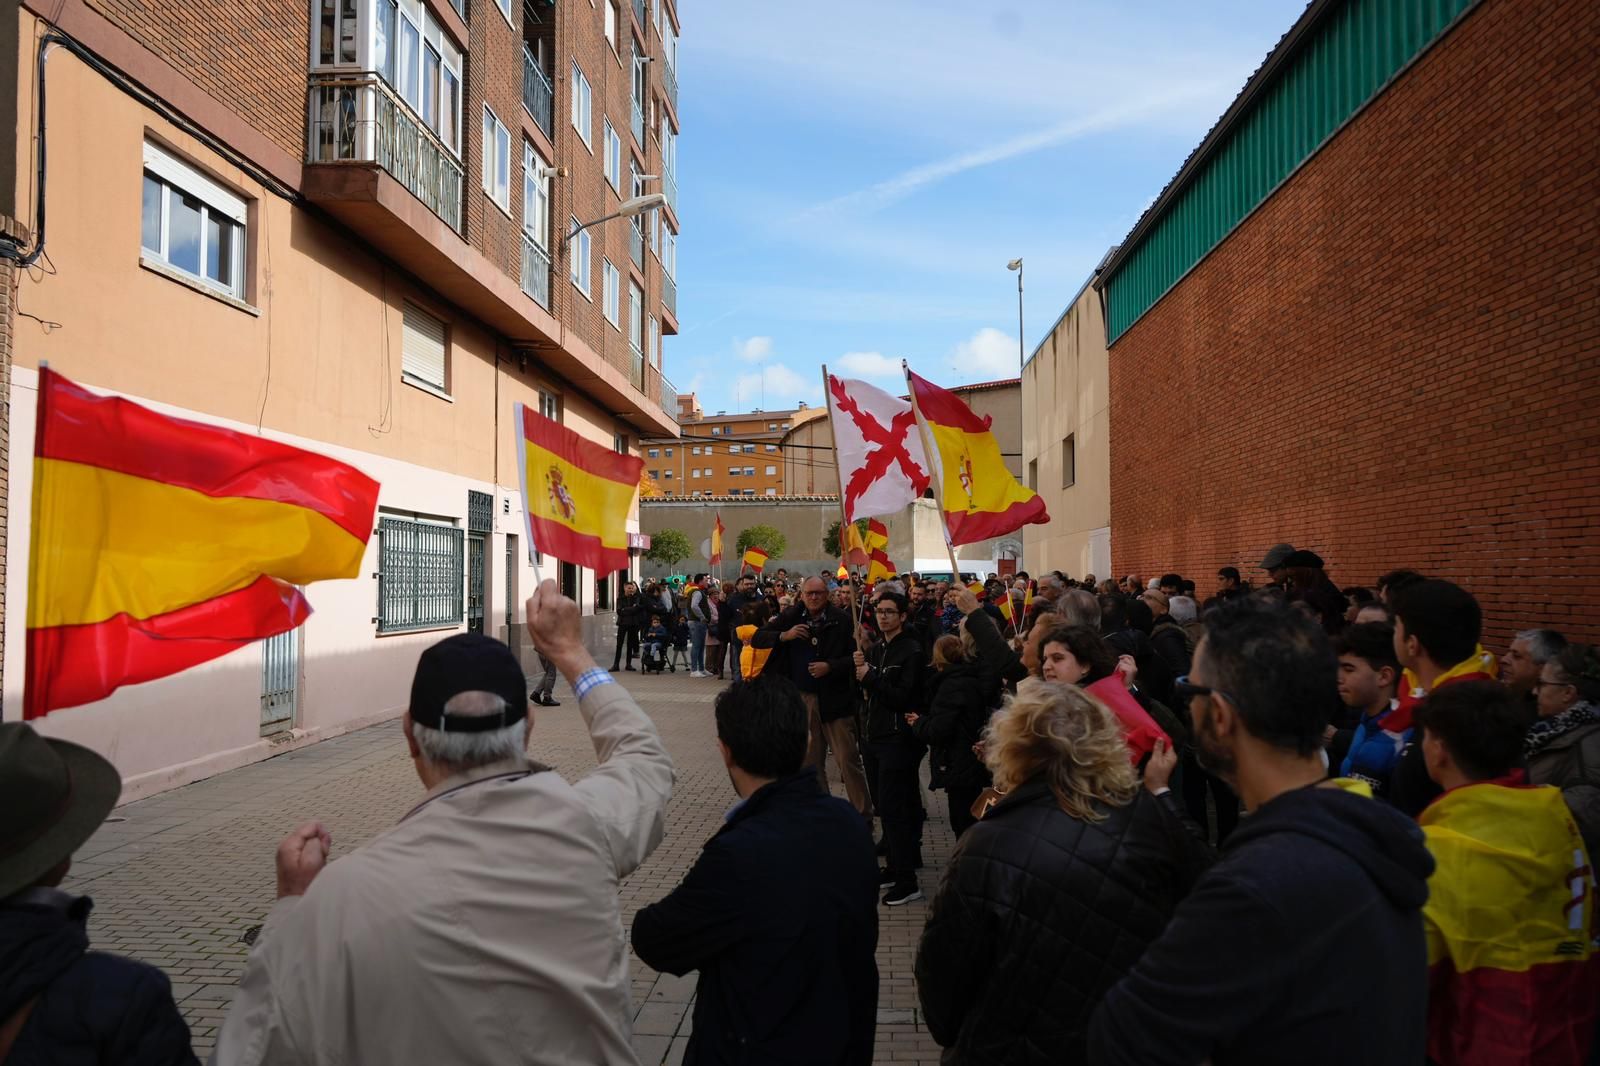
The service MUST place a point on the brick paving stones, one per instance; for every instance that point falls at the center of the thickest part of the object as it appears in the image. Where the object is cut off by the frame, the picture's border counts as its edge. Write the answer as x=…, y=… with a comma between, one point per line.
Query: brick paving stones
x=180, y=878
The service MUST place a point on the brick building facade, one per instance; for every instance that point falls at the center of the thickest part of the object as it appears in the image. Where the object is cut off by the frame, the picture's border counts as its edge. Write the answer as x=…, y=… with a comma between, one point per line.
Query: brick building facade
x=724, y=454
x=1394, y=359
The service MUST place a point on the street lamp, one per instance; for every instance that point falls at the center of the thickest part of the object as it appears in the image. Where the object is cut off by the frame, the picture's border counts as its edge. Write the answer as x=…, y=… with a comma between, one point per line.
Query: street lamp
x=627, y=209
x=1022, y=359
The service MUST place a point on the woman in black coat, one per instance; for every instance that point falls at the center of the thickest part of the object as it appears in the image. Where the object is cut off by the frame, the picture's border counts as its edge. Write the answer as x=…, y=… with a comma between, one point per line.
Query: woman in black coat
x=1055, y=893
x=633, y=614
x=960, y=694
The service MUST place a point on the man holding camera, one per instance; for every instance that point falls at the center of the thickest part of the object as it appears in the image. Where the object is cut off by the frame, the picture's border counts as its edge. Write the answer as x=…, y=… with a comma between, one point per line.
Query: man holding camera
x=814, y=648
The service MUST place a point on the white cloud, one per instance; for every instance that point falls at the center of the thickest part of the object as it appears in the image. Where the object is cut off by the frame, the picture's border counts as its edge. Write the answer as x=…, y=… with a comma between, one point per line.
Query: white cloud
x=776, y=387
x=987, y=355
x=754, y=349
x=869, y=365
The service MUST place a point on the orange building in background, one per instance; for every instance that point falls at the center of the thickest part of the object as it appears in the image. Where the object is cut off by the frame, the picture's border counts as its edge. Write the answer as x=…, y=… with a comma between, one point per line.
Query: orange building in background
x=725, y=454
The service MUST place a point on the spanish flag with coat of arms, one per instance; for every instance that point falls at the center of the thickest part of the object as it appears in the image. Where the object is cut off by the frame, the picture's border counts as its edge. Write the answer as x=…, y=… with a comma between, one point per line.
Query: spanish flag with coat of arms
x=577, y=494
x=979, y=497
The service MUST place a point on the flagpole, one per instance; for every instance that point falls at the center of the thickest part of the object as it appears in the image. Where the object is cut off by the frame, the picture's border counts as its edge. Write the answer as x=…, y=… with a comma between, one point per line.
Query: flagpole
x=935, y=471
x=844, y=519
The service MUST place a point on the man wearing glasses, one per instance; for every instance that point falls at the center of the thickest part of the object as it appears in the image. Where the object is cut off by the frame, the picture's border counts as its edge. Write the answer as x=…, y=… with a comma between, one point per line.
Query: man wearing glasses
x=890, y=675
x=814, y=648
x=1304, y=942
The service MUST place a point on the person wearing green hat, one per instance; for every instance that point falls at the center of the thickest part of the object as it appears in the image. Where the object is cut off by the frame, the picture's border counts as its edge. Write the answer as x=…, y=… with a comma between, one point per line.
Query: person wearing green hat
x=59, y=1001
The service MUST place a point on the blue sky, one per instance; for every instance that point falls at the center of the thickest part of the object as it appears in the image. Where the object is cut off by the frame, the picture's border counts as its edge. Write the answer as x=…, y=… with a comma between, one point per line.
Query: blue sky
x=855, y=176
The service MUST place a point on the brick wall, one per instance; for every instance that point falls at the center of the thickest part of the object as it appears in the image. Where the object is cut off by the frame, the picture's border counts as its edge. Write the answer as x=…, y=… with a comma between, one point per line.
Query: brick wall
x=494, y=77
x=1396, y=360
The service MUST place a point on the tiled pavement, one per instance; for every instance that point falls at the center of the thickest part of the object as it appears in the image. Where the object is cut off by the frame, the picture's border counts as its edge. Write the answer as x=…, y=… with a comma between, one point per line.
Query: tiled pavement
x=182, y=876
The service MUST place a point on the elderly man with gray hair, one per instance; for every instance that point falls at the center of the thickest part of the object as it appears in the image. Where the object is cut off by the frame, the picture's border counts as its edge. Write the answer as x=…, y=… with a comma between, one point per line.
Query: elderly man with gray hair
x=1521, y=664
x=485, y=926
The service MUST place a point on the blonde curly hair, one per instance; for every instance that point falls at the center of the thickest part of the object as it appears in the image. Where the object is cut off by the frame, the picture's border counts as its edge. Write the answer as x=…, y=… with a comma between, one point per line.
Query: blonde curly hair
x=1067, y=735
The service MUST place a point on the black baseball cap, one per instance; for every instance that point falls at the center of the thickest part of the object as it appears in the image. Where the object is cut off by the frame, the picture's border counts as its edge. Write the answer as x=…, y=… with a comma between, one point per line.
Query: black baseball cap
x=467, y=662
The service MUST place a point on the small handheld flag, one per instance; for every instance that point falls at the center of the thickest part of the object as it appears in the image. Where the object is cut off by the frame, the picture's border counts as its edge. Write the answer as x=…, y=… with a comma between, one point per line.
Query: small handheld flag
x=756, y=559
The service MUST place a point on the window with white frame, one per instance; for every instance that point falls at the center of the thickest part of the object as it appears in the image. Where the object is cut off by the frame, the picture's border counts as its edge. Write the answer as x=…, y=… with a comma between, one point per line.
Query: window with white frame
x=415, y=55
x=772, y=447
x=696, y=449
x=505, y=8
x=669, y=149
x=635, y=316
x=716, y=431
x=667, y=475
x=535, y=197
x=669, y=453
x=612, y=147
x=772, y=492
x=578, y=269
x=749, y=471
x=423, y=348
x=772, y=427
x=611, y=22
x=613, y=292
x=496, y=159
x=733, y=471
x=654, y=453
x=337, y=31
x=669, y=251
x=669, y=46
x=193, y=225
x=653, y=338
x=582, y=103
x=771, y=470
x=695, y=472
x=708, y=471
x=550, y=405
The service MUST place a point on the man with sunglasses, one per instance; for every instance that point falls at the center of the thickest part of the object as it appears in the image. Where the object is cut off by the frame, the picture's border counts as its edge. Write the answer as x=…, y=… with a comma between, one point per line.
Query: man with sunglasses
x=1304, y=942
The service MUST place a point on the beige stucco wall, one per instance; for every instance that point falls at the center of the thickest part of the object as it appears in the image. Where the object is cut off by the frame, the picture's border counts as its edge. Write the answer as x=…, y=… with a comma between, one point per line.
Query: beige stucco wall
x=1065, y=390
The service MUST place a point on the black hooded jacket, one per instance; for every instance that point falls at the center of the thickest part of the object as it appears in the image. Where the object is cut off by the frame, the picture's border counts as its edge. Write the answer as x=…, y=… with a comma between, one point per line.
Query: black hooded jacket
x=1302, y=944
x=91, y=1007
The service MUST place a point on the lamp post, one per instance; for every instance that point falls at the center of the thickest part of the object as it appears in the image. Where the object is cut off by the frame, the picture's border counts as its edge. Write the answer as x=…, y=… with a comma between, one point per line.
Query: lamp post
x=627, y=209
x=1022, y=359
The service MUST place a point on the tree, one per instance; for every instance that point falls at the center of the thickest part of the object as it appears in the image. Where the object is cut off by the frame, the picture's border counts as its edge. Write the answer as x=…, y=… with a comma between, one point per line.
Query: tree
x=830, y=539
x=764, y=537
x=647, y=485
x=668, y=547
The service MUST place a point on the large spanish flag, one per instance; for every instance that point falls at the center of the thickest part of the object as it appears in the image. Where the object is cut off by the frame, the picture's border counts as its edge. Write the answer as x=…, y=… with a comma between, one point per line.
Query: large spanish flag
x=159, y=543
x=980, y=497
x=576, y=493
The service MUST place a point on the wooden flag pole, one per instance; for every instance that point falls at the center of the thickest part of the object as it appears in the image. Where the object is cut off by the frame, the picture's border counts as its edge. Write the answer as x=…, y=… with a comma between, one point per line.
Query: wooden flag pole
x=935, y=471
x=844, y=519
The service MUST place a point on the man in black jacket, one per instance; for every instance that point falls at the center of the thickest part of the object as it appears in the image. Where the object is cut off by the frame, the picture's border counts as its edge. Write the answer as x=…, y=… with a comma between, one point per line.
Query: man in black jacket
x=632, y=616
x=778, y=912
x=890, y=674
x=814, y=648
x=1304, y=942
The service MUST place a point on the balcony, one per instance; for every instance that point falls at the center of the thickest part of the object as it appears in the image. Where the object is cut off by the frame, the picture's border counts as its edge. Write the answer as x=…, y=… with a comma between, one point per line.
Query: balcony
x=669, y=185
x=637, y=376
x=669, y=397
x=538, y=95
x=357, y=118
x=669, y=294
x=669, y=84
x=636, y=243
x=641, y=14
x=536, y=272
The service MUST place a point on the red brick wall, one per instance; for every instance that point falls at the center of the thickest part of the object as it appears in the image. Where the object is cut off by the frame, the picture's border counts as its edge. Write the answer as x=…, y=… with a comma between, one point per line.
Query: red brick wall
x=494, y=76
x=1396, y=360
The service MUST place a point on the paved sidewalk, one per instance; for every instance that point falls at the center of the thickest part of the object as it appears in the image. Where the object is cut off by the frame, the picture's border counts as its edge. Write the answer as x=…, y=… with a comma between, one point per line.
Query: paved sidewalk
x=183, y=877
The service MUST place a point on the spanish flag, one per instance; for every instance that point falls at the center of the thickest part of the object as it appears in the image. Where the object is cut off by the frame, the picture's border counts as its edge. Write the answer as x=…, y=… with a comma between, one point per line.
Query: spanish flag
x=716, y=540
x=879, y=567
x=159, y=543
x=979, y=497
x=756, y=559
x=577, y=494
x=877, y=536
x=851, y=547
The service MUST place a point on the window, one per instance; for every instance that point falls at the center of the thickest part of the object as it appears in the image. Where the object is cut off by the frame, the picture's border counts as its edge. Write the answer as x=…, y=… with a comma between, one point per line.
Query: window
x=550, y=405
x=695, y=450
x=613, y=291
x=749, y=448
x=708, y=471
x=696, y=492
x=669, y=251
x=421, y=567
x=772, y=492
x=569, y=582
x=655, y=474
x=579, y=267
x=535, y=197
x=1069, y=461
x=424, y=66
x=1033, y=474
x=422, y=349
x=619, y=443
x=716, y=432
x=192, y=224
x=772, y=447
x=336, y=32
x=668, y=475
x=733, y=471
x=582, y=116
x=771, y=470
x=772, y=427
x=653, y=337
x=654, y=453
x=727, y=431
x=694, y=473
x=496, y=160
x=749, y=471
x=669, y=149
x=635, y=316
x=505, y=9
x=611, y=22
x=613, y=157
x=669, y=453
x=641, y=91
x=602, y=592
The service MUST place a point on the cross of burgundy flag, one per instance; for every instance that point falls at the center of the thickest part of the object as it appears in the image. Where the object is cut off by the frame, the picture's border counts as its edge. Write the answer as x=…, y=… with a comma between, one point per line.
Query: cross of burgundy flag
x=882, y=467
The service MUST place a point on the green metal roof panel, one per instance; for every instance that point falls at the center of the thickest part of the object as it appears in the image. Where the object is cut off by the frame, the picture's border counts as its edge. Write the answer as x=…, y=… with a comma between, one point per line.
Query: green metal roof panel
x=1337, y=59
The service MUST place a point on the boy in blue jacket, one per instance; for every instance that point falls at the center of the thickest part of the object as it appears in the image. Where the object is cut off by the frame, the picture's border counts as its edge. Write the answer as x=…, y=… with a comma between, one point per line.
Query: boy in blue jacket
x=1368, y=676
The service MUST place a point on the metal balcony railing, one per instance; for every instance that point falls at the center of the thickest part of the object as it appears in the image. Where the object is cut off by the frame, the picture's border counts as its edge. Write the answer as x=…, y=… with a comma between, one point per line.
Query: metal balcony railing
x=669, y=398
x=636, y=243
x=641, y=14
x=669, y=83
x=669, y=185
x=536, y=272
x=669, y=293
x=357, y=118
x=538, y=95
x=637, y=377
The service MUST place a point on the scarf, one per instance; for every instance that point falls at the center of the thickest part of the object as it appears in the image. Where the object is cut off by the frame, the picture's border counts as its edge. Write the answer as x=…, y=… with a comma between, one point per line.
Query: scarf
x=1546, y=731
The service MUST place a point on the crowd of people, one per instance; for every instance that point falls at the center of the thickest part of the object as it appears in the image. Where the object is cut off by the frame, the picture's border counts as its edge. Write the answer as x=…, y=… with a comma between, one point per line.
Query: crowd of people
x=1292, y=823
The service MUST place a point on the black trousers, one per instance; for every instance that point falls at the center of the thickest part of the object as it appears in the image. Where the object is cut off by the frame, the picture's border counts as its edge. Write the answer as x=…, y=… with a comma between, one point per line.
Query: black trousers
x=629, y=636
x=547, y=683
x=1195, y=784
x=898, y=799
x=961, y=798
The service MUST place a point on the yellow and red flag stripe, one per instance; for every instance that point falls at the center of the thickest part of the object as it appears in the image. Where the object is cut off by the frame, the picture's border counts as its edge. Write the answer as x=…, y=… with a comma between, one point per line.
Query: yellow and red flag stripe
x=980, y=498
x=756, y=559
x=159, y=543
x=877, y=536
x=577, y=494
x=716, y=539
x=879, y=566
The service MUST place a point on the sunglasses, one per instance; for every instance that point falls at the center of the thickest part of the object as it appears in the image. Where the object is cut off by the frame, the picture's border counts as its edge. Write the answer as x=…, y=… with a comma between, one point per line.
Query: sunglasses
x=1185, y=690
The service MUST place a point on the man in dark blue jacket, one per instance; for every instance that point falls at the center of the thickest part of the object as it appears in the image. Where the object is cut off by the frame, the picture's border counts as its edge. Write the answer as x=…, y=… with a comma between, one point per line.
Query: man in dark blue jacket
x=1304, y=943
x=779, y=913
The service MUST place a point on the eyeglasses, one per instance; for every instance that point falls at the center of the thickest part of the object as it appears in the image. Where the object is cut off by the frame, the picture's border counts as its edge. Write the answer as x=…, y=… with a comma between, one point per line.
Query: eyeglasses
x=1185, y=690
x=1541, y=683
x=892, y=612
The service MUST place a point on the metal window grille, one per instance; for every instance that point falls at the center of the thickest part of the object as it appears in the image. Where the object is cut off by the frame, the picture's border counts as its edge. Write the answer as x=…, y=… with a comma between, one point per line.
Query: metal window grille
x=420, y=575
x=480, y=512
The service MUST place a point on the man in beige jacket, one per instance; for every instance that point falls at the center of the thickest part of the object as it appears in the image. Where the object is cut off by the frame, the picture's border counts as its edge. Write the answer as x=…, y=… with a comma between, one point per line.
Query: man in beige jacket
x=485, y=926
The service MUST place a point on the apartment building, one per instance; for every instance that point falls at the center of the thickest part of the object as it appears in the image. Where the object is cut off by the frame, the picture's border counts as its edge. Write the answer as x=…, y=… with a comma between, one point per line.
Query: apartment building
x=723, y=454
x=364, y=227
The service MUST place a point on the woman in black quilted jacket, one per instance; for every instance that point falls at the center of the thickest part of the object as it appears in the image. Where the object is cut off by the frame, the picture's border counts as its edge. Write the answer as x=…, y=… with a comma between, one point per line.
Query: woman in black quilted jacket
x=1054, y=895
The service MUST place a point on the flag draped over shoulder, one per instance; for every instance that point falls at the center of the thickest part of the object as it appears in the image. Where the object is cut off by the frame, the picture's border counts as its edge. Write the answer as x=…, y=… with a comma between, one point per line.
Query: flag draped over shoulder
x=882, y=467
x=756, y=559
x=577, y=494
x=716, y=540
x=159, y=543
x=980, y=498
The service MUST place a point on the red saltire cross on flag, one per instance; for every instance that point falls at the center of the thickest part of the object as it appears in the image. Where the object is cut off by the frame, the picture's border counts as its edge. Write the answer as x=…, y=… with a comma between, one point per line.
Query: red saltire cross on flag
x=882, y=466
